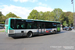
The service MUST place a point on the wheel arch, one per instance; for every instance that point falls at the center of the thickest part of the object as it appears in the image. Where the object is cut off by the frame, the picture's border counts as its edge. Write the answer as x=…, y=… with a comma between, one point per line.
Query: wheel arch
x=29, y=32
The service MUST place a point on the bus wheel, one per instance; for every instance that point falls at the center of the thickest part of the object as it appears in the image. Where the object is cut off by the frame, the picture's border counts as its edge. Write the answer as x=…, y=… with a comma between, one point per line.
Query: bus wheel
x=30, y=34
x=54, y=32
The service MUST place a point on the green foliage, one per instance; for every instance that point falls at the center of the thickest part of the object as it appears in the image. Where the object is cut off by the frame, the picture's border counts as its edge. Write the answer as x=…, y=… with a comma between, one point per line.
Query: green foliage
x=66, y=18
x=34, y=15
x=51, y=18
x=3, y=18
x=62, y=17
x=1, y=22
x=10, y=14
x=18, y=17
x=46, y=15
x=65, y=23
x=1, y=14
x=57, y=13
x=70, y=18
x=41, y=15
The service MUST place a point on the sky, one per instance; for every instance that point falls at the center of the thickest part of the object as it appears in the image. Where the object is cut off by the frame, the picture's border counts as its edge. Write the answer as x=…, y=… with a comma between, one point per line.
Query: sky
x=22, y=8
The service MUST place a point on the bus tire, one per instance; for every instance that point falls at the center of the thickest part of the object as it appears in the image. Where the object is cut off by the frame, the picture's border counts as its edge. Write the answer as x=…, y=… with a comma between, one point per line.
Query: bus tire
x=29, y=34
x=54, y=32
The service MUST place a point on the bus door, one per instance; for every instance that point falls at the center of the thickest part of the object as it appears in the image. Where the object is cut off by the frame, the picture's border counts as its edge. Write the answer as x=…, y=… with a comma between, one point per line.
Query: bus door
x=41, y=28
x=58, y=27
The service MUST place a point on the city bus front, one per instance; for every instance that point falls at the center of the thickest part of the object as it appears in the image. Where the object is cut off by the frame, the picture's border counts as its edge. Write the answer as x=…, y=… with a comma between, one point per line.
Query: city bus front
x=9, y=31
x=15, y=27
x=6, y=25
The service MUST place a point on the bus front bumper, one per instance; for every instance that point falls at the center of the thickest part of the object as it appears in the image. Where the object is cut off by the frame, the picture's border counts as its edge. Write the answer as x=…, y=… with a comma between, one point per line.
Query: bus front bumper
x=17, y=34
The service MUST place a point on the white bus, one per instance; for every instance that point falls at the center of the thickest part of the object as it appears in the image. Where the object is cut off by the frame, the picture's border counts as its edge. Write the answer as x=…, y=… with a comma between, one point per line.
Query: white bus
x=27, y=27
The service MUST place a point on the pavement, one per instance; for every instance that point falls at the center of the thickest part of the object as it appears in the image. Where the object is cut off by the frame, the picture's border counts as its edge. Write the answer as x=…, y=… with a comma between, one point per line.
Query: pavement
x=2, y=29
x=73, y=30
x=65, y=40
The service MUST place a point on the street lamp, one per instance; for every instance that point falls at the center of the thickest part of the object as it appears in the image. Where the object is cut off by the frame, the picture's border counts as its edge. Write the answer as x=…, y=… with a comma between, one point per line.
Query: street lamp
x=73, y=13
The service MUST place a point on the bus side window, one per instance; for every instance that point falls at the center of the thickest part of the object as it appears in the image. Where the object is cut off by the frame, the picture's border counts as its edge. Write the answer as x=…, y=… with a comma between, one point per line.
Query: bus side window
x=29, y=25
x=23, y=26
x=35, y=26
x=20, y=26
x=17, y=26
x=39, y=26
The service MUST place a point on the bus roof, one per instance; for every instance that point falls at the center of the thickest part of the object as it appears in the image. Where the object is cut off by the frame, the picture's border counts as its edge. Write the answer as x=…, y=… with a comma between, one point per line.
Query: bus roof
x=36, y=20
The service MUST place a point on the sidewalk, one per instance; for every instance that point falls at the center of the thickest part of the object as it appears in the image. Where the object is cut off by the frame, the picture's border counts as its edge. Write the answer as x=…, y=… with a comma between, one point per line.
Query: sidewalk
x=2, y=29
x=73, y=30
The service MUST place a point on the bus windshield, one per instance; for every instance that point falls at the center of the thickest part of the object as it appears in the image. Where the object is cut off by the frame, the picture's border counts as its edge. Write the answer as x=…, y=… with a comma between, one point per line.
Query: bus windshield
x=17, y=24
x=6, y=22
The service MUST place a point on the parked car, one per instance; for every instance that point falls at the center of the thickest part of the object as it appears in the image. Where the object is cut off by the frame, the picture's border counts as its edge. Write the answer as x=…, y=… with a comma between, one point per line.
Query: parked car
x=1, y=27
x=72, y=27
x=67, y=28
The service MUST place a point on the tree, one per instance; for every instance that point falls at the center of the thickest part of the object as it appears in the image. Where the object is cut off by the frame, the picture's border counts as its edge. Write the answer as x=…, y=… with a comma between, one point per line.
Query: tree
x=18, y=17
x=68, y=15
x=64, y=24
x=66, y=18
x=41, y=15
x=1, y=14
x=2, y=18
x=34, y=15
x=70, y=18
x=46, y=15
x=51, y=18
x=10, y=14
x=62, y=17
x=57, y=13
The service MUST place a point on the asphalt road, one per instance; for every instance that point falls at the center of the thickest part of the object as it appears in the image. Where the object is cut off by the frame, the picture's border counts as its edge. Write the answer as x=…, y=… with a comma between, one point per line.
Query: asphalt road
x=65, y=40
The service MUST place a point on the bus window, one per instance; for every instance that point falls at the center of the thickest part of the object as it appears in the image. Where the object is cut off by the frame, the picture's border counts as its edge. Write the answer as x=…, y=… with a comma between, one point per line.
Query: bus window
x=35, y=25
x=12, y=23
x=58, y=24
x=48, y=25
x=54, y=25
x=42, y=25
x=20, y=25
x=17, y=24
x=29, y=25
x=39, y=25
